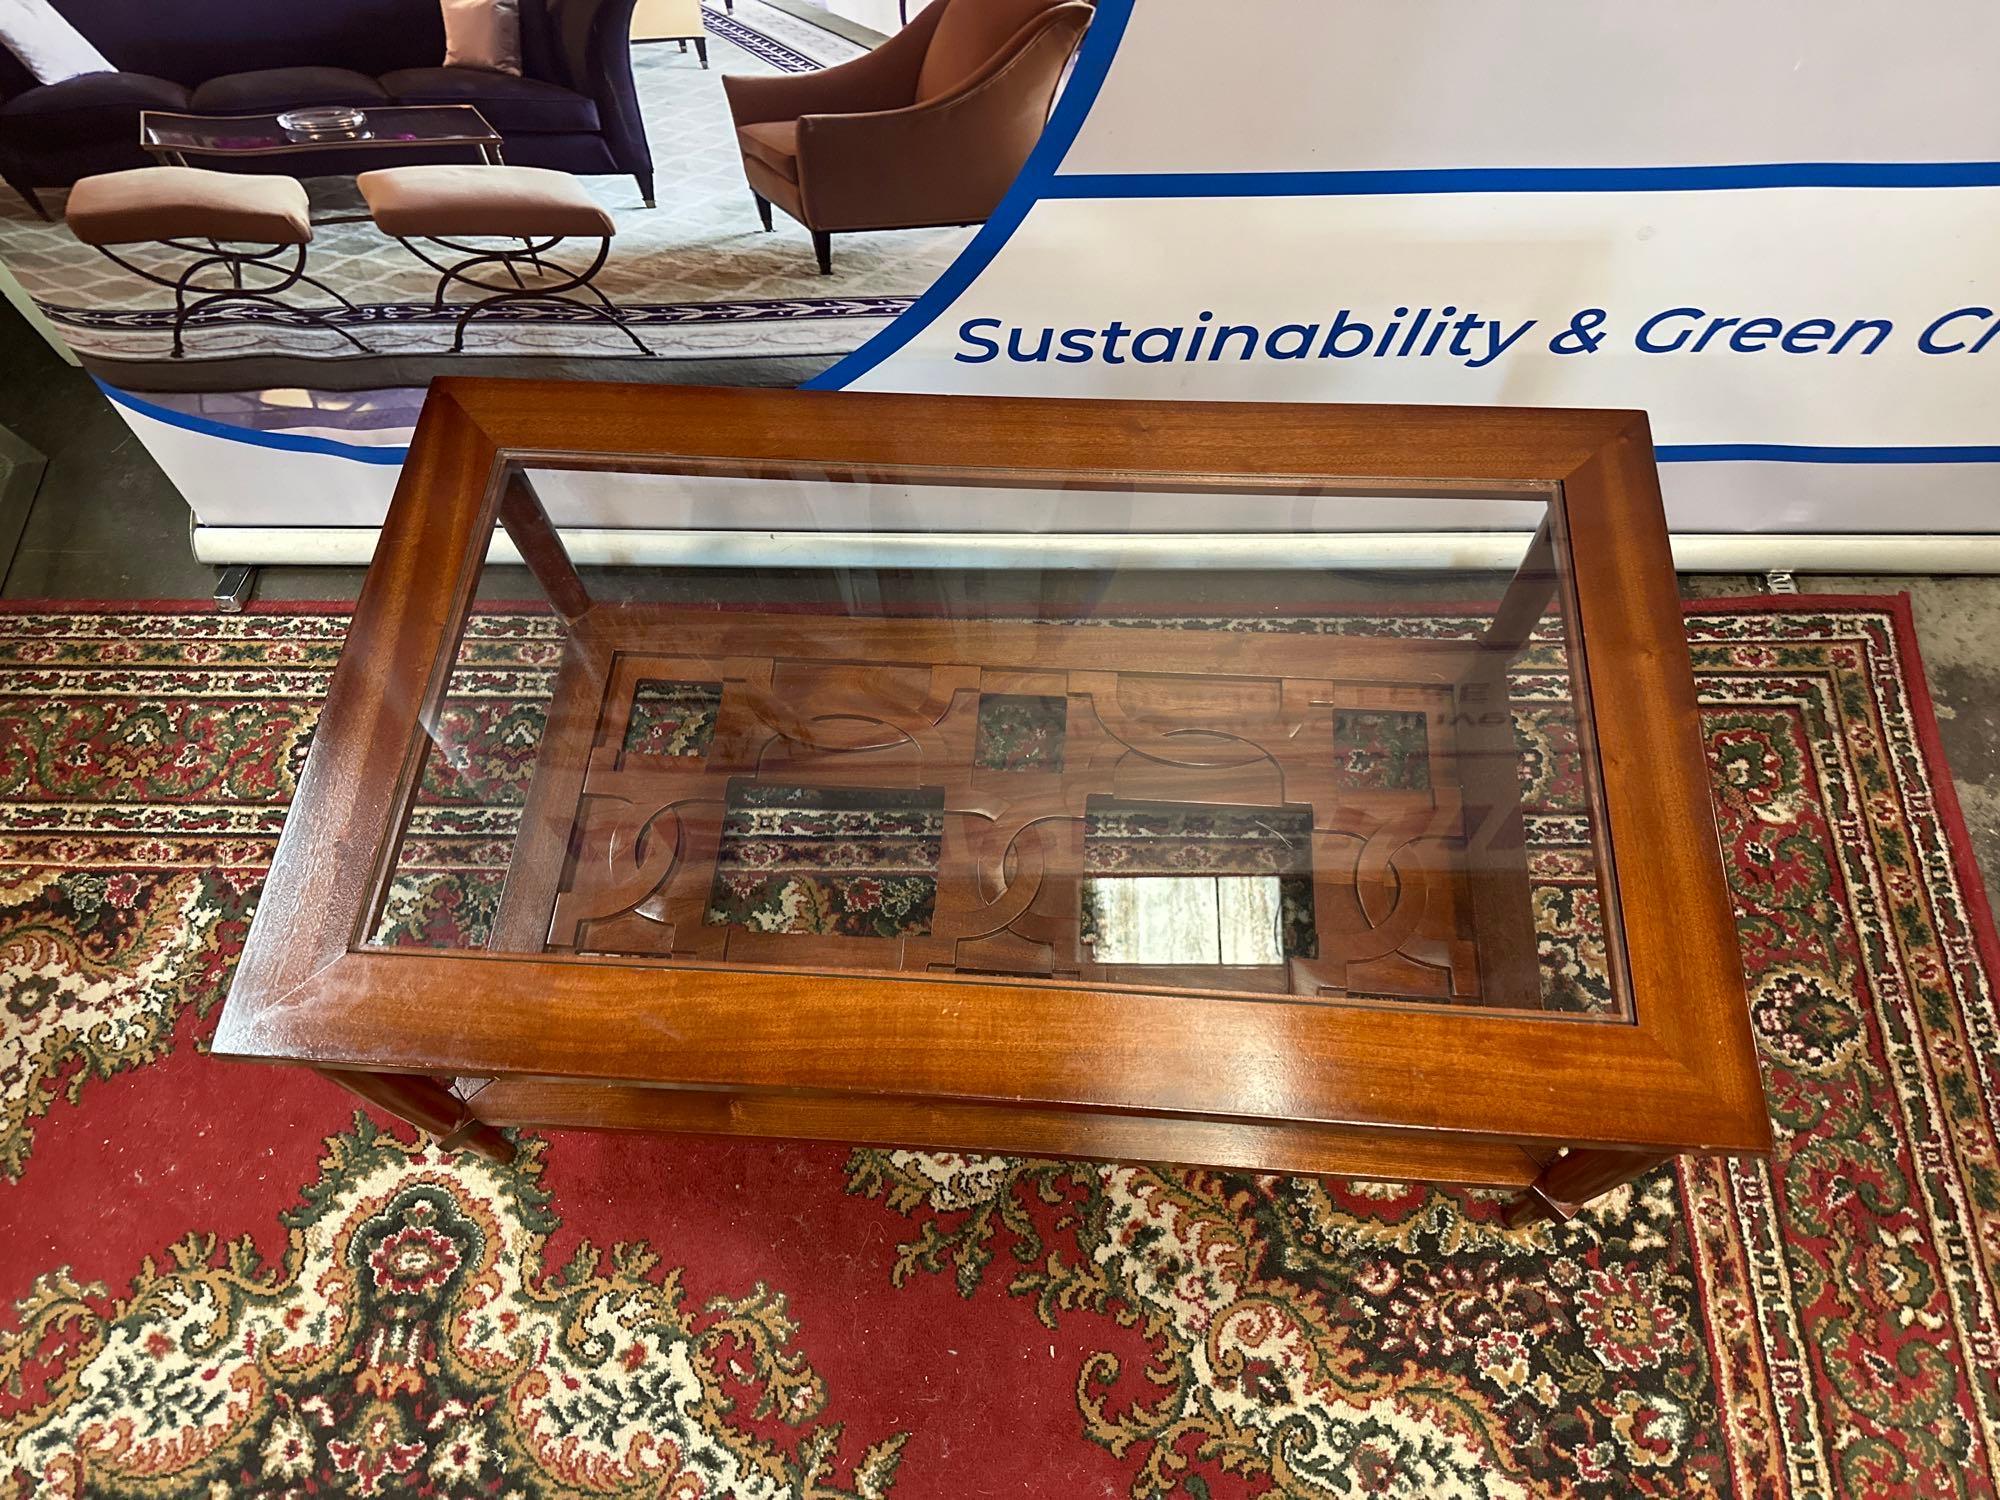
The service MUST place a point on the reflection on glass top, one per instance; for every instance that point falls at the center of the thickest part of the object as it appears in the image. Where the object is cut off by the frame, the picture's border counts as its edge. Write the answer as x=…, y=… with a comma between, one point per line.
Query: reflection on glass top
x=384, y=125
x=1051, y=753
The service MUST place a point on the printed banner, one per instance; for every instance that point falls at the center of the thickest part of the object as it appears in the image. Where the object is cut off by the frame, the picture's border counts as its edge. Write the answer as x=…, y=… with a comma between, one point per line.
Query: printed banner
x=1777, y=231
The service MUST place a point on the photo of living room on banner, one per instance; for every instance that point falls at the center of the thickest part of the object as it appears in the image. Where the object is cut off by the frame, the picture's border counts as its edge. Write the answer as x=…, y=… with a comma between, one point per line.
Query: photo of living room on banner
x=749, y=191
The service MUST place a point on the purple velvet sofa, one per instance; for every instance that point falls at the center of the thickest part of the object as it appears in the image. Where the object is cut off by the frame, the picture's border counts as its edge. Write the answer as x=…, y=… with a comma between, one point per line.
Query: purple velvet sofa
x=574, y=107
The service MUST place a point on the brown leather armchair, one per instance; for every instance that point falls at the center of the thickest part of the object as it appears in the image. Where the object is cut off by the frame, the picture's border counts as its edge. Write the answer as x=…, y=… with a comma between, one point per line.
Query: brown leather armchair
x=928, y=129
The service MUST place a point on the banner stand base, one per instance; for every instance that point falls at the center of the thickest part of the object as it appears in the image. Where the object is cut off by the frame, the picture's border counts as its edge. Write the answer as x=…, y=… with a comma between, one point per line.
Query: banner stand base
x=353, y=546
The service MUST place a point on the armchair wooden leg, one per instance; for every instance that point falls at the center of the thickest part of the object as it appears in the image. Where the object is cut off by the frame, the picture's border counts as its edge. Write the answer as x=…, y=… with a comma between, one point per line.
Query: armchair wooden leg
x=763, y=210
x=823, y=248
x=645, y=181
x=701, y=49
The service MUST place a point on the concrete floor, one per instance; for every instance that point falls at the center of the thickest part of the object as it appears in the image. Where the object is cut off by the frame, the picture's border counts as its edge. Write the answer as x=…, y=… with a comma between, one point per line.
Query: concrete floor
x=107, y=524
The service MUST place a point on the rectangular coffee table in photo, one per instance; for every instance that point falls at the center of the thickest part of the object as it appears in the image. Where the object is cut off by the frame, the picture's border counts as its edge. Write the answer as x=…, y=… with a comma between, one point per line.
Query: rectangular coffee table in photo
x=1115, y=779
x=387, y=128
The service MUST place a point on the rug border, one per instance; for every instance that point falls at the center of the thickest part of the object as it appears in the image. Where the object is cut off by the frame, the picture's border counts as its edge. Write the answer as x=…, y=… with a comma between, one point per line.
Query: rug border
x=1923, y=719
x=1944, y=789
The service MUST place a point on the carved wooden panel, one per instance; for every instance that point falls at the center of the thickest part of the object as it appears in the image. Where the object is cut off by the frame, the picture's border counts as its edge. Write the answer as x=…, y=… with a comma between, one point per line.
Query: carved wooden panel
x=850, y=804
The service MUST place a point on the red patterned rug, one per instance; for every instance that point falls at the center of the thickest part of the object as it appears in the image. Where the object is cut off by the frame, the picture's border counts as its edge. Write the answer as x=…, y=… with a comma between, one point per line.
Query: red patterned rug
x=231, y=1282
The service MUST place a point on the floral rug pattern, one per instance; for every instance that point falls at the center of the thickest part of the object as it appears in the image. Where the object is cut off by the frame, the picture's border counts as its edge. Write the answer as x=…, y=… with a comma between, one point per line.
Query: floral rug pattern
x=412, y=1340
x=363, y=1315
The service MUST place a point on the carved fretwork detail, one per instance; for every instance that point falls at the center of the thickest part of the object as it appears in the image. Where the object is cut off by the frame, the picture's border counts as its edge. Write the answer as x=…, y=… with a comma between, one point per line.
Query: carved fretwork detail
x=1418, y=886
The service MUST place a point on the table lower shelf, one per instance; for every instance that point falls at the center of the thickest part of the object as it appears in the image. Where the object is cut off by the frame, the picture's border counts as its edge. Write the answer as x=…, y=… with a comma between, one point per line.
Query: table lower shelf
x=956, y=1125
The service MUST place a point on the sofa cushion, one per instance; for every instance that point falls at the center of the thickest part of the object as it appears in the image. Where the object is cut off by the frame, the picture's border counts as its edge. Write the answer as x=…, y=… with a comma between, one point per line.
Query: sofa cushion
x=969, y=35
x=524, y=105
x=191, y=41
x=95, y=106
x=483, y=34
x=774, y=143
x=285, y=88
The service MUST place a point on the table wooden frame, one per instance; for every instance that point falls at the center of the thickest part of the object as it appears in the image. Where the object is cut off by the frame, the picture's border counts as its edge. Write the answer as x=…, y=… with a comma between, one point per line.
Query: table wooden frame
x=1561, y=1107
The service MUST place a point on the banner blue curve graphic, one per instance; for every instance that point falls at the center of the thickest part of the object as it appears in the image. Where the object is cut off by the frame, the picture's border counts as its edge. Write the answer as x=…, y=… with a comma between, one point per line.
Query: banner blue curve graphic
x=1093, y=61
x=286, y=442
x=1657, y=179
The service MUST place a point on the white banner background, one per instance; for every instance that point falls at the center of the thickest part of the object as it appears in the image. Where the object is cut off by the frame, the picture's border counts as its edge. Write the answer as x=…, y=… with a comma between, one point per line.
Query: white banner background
x=1182, y=193
x=1328, y=85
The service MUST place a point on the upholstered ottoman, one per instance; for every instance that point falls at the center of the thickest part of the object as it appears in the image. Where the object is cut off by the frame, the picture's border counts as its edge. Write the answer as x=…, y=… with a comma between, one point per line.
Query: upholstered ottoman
x=523, y=212
x=238, y=227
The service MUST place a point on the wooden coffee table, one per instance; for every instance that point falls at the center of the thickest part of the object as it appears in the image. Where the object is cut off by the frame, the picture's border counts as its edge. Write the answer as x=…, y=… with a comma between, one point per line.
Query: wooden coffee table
x=991, y=824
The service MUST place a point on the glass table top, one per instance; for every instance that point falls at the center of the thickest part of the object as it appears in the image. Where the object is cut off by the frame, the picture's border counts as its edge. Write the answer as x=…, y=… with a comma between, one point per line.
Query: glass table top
x=383, y=125
x=1230, y=736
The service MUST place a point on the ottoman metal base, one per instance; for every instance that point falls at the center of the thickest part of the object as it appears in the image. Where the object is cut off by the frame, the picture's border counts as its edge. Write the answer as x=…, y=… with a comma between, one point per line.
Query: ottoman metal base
x=532, y=254
x=192, y=295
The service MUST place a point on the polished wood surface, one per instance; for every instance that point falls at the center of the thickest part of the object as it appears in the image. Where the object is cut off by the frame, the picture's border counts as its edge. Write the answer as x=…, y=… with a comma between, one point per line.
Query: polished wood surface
x=936, y=1054
x=948, y=1125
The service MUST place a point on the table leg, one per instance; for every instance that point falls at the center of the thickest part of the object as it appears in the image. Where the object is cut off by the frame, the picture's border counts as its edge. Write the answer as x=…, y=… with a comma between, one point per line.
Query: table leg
x=428, y=1105
x=235, y=265
x=1527, y=598
x=1500, y=893
x=533, y=257
x=1573, y=1179
x=529, y=528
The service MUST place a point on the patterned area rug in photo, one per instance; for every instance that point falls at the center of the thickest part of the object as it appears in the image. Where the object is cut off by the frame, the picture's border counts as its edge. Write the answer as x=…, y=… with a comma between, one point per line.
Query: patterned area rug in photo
x=223, y=1281
x=696, y=277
